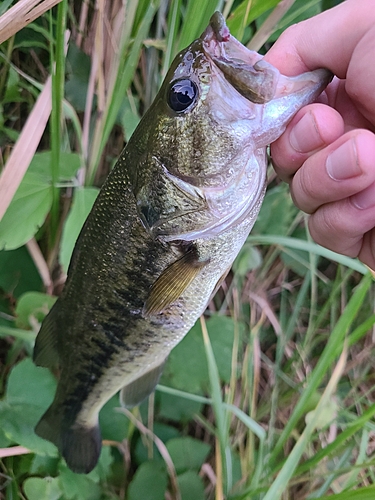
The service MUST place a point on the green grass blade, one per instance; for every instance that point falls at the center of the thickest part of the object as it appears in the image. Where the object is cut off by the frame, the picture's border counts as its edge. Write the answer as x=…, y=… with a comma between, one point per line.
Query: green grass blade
x=171, y=35
x=279, y=485
x=17, y=333
x=123, y=80
x=326, y=359
x=308, y=246
x=367, y=493
x=58, y=77
x=241, y=415
x=197, y=16
x=219, y=409
x=340, y=441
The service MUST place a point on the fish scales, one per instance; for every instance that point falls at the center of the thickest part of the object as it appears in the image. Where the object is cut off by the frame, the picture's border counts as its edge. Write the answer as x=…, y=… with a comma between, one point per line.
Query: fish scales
x=167, y=224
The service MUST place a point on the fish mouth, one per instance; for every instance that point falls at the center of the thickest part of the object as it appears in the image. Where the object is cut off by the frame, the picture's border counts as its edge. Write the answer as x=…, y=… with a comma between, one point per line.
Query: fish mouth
x=246, y=70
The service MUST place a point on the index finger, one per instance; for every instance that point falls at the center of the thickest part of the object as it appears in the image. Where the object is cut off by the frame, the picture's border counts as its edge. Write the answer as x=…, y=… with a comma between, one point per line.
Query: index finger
x=327, y=40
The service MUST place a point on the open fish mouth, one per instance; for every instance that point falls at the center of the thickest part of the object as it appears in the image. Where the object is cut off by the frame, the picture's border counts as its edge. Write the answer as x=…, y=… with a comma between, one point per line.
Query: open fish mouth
x=247, y=71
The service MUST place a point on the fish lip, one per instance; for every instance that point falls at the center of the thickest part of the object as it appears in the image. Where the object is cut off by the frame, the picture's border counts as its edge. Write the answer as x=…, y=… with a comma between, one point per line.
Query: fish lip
x=244, y=69
x=218, y=43
x=247, y=71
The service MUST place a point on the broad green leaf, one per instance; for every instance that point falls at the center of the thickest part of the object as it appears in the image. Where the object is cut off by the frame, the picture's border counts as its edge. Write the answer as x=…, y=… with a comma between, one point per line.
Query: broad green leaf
x=77, y=486
x=149, y=482
x=5, y=4
x=32, y=201
x=26, y=380
x=191, y=486
x=102, y=470
x=30, y=390
x=276, y=213
x=113, y=424
x=128, y=117
x=187, y=453
x=13, y=88
x=82, y=203
x=186, y=368
x=4, y=441
x=78, y=66
x=26, y=213
x=18, y=273
x=18, y=422
x=41, y=164
x=44, y=465
x=37, y=488
x=248, y=259
x=163, y=432
x=33, y=307
x=177, y=408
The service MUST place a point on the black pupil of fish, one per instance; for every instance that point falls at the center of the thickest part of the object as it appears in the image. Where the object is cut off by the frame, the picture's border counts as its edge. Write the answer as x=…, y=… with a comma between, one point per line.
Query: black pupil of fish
x=181, y=95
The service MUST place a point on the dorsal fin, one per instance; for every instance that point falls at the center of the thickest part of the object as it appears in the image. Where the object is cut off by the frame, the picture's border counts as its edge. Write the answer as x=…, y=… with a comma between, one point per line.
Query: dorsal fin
x=134, y=393
x=172, y=282
x=45, y=350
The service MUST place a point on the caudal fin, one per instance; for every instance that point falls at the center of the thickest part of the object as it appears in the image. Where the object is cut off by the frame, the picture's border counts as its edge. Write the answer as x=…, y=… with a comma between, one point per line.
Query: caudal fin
x=80, y=446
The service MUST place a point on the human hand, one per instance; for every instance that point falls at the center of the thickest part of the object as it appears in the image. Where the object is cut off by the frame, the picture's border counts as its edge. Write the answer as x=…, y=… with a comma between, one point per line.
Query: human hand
x=327, y=152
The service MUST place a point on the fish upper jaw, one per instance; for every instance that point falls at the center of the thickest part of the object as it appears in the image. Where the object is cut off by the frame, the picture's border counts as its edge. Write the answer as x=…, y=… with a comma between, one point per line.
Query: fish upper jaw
x=252, y=76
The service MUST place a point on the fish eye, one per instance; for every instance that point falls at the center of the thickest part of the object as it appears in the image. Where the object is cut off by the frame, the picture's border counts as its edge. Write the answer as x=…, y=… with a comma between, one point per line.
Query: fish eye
x=182, y=94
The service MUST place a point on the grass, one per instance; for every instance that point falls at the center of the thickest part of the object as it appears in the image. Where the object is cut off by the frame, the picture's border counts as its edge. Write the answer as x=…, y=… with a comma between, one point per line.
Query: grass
x=271, y=395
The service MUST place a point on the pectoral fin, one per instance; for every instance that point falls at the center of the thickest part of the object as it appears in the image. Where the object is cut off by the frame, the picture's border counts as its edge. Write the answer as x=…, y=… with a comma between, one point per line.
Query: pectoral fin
x=173, y=282
x=134, y=393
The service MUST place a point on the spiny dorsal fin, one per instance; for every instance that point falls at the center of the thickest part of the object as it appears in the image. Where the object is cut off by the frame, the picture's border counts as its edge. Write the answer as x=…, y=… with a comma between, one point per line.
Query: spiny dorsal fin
x=173, y=282
x=45, y=350
x=134, y=393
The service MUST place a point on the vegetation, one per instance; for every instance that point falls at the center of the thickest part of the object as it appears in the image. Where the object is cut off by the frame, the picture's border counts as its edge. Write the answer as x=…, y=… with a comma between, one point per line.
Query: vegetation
x=271, y=395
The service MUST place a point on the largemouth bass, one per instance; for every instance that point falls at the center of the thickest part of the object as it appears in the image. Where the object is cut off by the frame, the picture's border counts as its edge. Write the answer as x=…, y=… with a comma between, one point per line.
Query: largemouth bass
x=164, y=231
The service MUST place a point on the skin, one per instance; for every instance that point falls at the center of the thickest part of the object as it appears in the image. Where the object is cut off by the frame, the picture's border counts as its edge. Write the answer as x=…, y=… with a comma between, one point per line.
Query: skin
x=327, y=153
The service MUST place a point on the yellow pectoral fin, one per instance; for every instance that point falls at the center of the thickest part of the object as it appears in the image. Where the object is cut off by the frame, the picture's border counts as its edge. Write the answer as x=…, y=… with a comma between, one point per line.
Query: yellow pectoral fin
x=173, y=282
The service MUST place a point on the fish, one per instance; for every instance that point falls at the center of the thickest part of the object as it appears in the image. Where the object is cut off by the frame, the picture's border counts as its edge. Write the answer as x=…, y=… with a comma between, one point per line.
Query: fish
x=164, y=231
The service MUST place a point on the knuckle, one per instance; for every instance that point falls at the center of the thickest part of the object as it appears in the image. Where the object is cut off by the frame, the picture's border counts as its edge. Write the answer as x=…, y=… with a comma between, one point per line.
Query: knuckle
x=330, y=228
x=305, y=190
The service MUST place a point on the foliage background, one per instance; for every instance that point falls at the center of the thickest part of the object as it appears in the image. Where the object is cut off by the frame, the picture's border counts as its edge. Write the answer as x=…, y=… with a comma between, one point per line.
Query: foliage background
x=271, y=394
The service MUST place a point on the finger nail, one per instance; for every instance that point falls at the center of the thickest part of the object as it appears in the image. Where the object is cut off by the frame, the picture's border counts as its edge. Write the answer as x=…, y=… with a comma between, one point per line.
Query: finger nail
x=343, y=162
x=305, y=135
x=365, y=199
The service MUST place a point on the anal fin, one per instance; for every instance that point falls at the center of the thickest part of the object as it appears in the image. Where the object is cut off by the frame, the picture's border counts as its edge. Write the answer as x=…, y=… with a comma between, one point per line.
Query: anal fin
x=173, y=281
x=134, y=393
x=220, y=282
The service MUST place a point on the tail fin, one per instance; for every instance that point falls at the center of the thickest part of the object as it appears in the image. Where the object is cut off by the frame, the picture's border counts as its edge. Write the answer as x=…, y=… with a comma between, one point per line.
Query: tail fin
x=79, y=445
